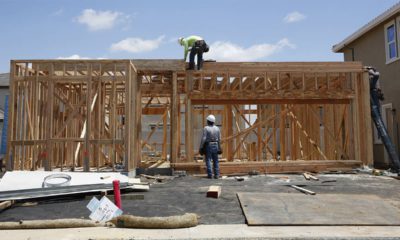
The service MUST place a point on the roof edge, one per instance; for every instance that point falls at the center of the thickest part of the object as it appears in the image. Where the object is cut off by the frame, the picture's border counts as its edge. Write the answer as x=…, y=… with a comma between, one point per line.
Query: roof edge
x=370, y=25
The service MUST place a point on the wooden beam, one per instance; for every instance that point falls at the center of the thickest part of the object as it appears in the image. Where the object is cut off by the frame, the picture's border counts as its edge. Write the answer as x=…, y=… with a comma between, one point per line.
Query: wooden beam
x=269, y=167
x=282, y=67
x=198, y=101
x=189, y=120
x=130, y=101
x=174, y=120
x=137, y=123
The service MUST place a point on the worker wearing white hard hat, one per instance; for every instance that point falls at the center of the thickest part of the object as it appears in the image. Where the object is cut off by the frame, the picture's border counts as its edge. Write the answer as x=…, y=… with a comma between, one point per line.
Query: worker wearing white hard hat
x=210, y=146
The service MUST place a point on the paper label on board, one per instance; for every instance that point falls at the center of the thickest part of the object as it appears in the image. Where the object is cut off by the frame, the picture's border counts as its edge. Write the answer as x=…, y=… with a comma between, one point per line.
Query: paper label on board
x=103, y=210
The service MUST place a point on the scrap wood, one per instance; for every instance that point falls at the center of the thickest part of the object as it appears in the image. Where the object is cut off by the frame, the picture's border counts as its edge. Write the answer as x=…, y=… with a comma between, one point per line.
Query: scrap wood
x=306, y=176
x=156, y=177
x=328, y=180
x=214, y=191
x=5, y=205
x=309, y=176
x=306, y=191
x=129, y=221
x=47, y=224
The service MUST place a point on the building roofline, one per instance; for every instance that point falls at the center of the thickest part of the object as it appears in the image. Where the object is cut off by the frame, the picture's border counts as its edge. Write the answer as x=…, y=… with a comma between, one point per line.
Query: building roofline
x=367, y=27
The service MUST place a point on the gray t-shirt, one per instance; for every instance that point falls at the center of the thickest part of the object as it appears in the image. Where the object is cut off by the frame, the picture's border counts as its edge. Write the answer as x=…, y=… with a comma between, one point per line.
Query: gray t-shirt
x=210, y=134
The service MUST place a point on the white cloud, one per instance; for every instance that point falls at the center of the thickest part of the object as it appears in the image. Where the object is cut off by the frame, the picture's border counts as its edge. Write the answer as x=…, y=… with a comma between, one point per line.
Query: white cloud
x=100, y=20
x=136, y=45
x=227, y=51
x=74, y=56
x=294, y=17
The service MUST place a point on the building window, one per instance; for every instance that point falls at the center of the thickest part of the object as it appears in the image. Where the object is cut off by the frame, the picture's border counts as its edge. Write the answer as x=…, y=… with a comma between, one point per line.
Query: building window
x=391, y=35
x=391, y=41
x=398, y=35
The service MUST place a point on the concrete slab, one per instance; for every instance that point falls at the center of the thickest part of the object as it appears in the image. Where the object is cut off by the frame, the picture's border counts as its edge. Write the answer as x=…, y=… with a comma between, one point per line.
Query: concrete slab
x=188, y=195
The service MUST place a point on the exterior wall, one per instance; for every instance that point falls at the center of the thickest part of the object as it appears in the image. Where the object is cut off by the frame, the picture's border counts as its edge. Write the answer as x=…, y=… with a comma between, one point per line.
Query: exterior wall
x=3, y=93
x=370, y=50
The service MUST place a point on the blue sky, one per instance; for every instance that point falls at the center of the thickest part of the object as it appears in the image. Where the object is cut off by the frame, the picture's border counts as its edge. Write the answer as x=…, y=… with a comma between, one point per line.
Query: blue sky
x=245, y=30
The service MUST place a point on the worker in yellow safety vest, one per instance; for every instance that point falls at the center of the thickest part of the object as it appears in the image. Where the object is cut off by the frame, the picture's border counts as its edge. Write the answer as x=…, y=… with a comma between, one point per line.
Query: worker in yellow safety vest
x=197, y=46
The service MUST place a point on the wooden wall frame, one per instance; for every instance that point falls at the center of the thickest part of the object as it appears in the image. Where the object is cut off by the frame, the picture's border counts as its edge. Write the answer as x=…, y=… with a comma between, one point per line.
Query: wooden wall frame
x=88, y=114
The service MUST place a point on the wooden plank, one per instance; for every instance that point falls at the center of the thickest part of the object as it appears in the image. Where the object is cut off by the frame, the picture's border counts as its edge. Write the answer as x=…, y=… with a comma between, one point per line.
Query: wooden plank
x=174, y=120
x=259, y=134
x=145, y=65
x=49, y=145
x=6, y=204
x=214, y=191
x=228, y=132
x=137, y=123
x=87, y=153
x=129, y=161
x=274, y=135
x=197, y=100
x=283, y=66
x=367, y=143
x=282, y=132
x=298, y=166
x=356, y=120
x=189, y=120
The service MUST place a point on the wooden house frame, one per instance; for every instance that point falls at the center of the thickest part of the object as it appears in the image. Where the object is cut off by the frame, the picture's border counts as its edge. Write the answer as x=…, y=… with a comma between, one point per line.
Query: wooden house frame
x=274, y=116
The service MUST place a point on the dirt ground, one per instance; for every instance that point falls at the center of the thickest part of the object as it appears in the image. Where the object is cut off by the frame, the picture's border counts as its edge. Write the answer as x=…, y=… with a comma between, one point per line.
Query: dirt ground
x=188, y=194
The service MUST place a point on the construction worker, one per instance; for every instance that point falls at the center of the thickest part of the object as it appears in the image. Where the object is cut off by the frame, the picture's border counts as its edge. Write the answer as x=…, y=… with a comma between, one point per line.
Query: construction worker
x=210, y=146
x=196, y=45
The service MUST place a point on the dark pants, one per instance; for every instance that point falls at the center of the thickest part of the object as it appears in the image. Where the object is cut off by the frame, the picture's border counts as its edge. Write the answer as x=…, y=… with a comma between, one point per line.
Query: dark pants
x=197, y=49
x=212, y=155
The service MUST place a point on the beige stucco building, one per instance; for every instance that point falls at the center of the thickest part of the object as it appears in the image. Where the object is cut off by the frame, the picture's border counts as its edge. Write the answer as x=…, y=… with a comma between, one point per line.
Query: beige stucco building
x=377, y=44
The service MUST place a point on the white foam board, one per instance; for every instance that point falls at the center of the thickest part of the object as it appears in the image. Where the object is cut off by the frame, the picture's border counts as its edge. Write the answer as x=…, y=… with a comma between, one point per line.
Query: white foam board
x=19, y=180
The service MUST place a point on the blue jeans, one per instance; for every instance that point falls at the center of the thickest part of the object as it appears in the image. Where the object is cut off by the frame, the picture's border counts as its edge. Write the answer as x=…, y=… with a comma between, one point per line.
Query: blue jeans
x=212, y=154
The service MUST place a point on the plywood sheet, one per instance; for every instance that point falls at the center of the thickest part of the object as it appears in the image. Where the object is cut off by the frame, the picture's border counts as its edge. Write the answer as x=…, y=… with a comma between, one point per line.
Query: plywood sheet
x=320, y=209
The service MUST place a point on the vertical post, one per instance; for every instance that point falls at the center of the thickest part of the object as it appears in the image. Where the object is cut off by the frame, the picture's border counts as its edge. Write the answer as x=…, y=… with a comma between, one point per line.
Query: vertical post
x=228, y=131
x=259, y=132
x=99, y=116
x=50, y=103
x=86, y=150
x=293, y=135
x=189, y=119
x=174, y=120
x=11, y=112
x=165, y=138
x=129, y=134
x=282, y=132
x=136, y=123
x=356, y=127
x=113, y=125
x=274, y=126
x=36, y=115
x=365, y=112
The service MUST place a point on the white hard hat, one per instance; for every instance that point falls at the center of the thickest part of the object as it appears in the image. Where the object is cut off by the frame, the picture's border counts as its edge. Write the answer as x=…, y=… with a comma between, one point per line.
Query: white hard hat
x=180, y=40
x=211, y=118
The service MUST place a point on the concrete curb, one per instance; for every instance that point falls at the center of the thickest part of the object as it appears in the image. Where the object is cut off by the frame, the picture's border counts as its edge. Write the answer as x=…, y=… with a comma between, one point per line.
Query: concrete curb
x=228, y=231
